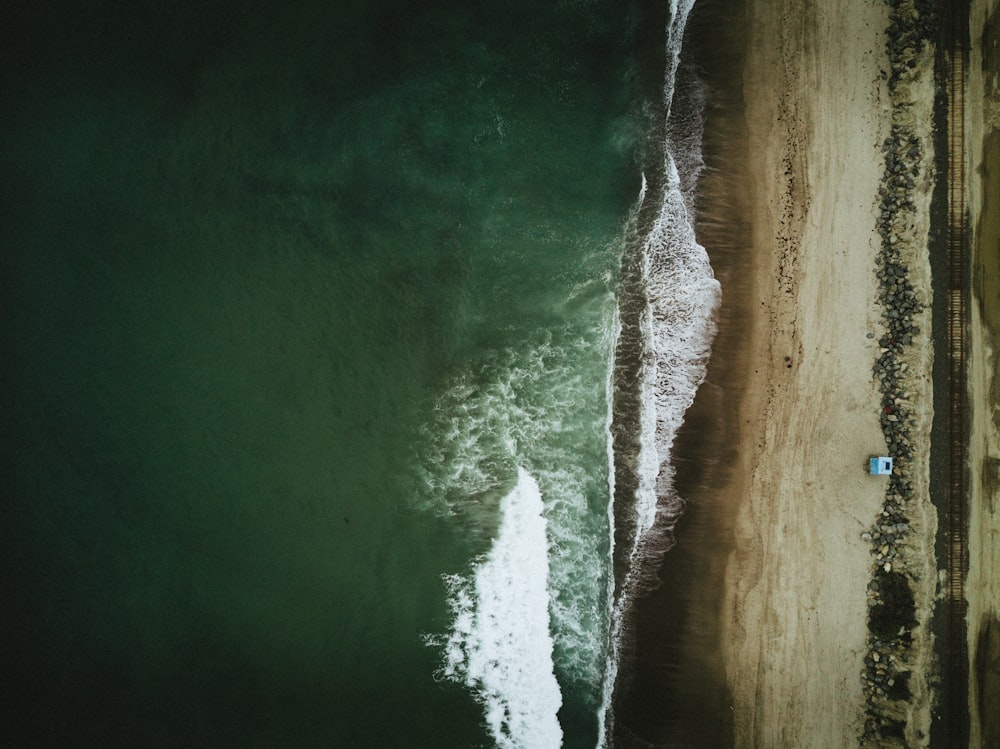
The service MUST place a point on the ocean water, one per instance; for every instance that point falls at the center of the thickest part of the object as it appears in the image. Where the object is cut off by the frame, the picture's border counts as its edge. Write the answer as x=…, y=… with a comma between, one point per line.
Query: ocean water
x=313, y=323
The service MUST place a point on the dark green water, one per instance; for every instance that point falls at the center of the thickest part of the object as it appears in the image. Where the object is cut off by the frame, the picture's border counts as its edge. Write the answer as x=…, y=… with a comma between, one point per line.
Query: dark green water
x=289, y=293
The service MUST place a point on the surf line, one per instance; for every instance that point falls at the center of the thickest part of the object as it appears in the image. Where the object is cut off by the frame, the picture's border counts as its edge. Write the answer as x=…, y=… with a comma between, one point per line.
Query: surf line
x=667, y=300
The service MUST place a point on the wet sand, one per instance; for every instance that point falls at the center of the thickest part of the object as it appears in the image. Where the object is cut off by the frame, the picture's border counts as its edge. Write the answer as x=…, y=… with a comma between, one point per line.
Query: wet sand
x=757, y=635
x=675, y=690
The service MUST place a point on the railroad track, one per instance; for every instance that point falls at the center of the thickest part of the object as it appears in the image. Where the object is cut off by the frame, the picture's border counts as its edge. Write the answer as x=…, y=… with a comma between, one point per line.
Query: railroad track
x=956, y=666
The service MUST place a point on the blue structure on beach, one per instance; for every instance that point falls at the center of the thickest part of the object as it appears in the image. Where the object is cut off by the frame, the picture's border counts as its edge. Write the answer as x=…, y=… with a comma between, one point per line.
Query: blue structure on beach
x=880, y=466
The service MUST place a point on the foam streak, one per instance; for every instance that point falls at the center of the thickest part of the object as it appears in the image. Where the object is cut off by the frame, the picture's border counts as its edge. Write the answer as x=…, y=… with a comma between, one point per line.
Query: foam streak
x=668, y=303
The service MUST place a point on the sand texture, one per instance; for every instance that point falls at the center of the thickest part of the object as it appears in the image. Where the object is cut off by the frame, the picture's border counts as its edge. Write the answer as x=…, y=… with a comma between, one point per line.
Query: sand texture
x=795, y=615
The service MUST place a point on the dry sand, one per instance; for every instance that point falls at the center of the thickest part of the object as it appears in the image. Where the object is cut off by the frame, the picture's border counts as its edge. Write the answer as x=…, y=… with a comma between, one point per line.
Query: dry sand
x=795, y=612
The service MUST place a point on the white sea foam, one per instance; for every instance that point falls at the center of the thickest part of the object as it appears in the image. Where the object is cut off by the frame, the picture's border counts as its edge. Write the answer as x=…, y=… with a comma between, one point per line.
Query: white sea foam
x=540, y=408
x=500, y=645
x=678, y=328
x=611, y=669
x=677, y=325
x=683, y=296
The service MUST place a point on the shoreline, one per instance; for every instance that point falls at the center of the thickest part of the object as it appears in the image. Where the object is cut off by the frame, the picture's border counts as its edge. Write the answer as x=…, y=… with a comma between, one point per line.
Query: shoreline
x=673, y=692
x=764, y=595
x=822, y=245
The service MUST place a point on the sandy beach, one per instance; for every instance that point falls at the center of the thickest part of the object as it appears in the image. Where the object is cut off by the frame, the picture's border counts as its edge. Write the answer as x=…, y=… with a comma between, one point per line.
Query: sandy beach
x=759, y=634
x=823, y=212
x=794, y=620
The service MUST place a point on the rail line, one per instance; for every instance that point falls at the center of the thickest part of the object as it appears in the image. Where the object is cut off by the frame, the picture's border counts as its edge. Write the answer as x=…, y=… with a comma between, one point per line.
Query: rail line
x=956, y=665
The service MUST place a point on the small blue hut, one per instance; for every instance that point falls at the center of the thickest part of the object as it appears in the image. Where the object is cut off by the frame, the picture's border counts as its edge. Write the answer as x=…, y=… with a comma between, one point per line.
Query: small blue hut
x=880, y=466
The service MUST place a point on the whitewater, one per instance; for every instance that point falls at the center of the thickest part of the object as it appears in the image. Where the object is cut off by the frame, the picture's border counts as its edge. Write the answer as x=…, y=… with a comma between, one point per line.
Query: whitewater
x=546, y=607
x=500, y=644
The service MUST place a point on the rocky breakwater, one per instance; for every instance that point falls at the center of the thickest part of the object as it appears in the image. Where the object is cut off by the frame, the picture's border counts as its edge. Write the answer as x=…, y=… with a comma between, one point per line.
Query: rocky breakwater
x=893, y=717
